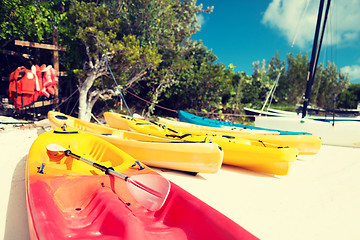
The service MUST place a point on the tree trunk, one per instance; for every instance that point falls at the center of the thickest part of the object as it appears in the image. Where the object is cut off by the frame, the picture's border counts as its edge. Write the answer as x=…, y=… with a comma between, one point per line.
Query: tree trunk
x=84, y=110
x=85, y=105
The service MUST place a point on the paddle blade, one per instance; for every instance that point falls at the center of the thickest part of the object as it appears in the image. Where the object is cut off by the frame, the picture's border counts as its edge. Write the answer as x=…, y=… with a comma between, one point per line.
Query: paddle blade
x=55, y=148
x=149, y=190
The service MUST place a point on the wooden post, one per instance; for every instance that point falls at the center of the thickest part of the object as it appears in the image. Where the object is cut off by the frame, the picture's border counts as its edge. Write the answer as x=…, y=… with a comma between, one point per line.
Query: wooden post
x=56, y=52
x=55, y=47
x=56, y=61
x=39, y=45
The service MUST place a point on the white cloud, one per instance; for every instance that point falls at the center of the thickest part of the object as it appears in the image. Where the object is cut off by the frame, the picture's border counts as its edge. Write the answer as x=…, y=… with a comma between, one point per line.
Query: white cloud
x=353, y=71
x=200, y=19
x=287, y=16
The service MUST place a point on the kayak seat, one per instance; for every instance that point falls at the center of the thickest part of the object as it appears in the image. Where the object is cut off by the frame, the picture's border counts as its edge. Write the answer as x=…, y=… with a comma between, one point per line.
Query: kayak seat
x=83, y=214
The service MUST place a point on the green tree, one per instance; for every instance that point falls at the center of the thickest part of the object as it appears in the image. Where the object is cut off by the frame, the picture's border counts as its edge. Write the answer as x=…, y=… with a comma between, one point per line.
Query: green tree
x=328, y=84
x=234, y=95
x=169, y=24
x=98, y=34
x=29, y=20
x=204, y=85
x=256, y=90
x=349, y=98
x=294, y=82
x=251, y=92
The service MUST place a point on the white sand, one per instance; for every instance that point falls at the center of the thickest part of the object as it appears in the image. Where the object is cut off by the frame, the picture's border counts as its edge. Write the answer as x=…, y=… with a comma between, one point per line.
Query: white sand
x=318, y=199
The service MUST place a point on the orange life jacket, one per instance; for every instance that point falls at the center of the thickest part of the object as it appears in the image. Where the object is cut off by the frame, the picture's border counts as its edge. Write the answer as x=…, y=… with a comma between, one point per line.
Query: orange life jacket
x=22, y=87
x=48, y=80
x=27, y=85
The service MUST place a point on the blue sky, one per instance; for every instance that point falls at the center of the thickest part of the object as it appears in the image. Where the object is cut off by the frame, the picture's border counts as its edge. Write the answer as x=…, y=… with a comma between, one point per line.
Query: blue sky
x=240, y=32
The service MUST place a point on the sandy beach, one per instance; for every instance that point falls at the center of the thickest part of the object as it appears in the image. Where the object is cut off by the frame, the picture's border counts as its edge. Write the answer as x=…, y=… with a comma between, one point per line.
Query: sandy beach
x=317, y=200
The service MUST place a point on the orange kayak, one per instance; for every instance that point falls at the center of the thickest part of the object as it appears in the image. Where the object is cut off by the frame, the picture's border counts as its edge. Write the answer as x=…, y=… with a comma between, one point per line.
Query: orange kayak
x=71, y=199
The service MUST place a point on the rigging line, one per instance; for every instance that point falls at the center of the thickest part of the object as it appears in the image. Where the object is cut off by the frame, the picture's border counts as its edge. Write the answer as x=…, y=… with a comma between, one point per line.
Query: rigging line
x=97, y=120
x=275, y=86
x=272, y=91
x=150, y=102
x=77, y=89
x=330, y=32
x=132, y=93
x=118, y=86
x=298, y=25
x=102, y=84
x=74, y=106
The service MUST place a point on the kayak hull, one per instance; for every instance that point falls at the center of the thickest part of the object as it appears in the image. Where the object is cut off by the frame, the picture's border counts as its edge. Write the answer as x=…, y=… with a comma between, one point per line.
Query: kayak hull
x=70, y=199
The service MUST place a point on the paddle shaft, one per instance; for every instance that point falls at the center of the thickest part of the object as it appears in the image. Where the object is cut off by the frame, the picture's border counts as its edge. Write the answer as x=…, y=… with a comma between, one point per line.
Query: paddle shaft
x=107, y=170
x=110, y=171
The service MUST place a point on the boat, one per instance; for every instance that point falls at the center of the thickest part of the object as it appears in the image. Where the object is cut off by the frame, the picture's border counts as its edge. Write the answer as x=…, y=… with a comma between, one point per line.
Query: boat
x=305, y=144
x=280, y=113
x=191, y=118
x=79, y=186
x=249, y=154
x=324, y=115
x=343, y=113
x=339, y=133
x=251, y=113
x=342, y=133
x=195, y=157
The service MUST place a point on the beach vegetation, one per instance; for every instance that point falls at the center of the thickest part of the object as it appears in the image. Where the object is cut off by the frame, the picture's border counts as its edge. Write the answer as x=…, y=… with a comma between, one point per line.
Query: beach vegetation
x=144, y=50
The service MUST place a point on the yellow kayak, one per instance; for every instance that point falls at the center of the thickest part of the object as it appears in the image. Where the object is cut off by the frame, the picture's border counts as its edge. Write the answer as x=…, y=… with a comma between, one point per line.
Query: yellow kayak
x=254, y=155
x=306, y=144
x=154, y=151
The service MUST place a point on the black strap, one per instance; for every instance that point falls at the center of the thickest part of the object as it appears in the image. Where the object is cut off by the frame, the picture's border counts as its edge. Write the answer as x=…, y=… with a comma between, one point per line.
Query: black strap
x=178, y=136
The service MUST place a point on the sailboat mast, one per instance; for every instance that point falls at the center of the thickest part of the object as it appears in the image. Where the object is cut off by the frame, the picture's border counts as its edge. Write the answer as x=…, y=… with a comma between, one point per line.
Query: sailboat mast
x=315, y=54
